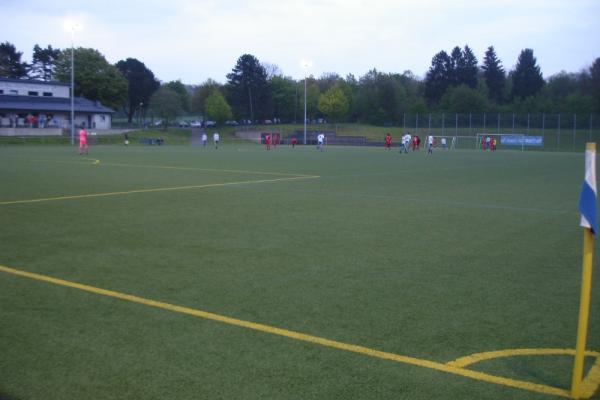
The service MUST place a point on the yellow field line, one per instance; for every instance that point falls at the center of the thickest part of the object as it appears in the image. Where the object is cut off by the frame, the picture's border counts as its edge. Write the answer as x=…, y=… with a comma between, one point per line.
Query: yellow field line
x=480, y=376
x=99, y=162
x=592, y=381
x=83, y=196
x=588, y=387
x=203, y=169
x=489, y=355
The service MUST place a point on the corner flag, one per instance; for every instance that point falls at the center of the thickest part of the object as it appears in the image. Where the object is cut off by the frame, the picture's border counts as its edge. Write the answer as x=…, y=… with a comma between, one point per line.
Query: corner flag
x=589, y=220
x=588, y=197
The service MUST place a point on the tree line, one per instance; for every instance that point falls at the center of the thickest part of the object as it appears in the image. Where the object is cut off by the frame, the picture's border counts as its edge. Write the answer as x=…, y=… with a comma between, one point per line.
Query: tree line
x=455, y=83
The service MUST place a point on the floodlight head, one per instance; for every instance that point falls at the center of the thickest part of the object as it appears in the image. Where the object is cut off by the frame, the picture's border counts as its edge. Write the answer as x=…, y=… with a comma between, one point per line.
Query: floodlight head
x=72, y=26
x=306, y=64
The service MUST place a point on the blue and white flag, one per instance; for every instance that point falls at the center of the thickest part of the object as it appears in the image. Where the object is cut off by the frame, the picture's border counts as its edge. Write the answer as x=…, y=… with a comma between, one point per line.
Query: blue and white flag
x=588, y=197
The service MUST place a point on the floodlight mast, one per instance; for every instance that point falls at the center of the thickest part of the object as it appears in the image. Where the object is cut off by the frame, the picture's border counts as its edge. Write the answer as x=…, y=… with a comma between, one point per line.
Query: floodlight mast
x=305, y=108
x=72, y=94
x=72, y=27
x=305, y=65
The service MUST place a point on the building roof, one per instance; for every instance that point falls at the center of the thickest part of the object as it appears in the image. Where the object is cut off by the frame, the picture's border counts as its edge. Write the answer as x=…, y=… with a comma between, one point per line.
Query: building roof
x=35, y=81
x=46, y=104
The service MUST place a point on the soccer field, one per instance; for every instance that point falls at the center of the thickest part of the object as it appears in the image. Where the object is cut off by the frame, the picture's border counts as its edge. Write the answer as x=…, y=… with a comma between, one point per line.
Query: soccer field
x=178, y=272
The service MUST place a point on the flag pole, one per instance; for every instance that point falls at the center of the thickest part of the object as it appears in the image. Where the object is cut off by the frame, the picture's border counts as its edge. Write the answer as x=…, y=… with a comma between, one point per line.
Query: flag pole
x=584, y=310
x=586, y=276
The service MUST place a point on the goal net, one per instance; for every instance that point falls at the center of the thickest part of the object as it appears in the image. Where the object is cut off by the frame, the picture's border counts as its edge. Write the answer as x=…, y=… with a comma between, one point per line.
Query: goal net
x=443, y=142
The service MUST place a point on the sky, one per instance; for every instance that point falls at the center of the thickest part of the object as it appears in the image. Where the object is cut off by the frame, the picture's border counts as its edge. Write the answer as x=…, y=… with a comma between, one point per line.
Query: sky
x=193, y=41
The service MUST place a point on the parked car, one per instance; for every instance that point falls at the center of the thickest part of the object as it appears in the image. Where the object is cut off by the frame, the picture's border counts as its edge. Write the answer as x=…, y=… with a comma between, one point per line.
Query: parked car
x=158, y=123
x=231, y=123
x=210, y=124
x=196, y=124
x=184, y=124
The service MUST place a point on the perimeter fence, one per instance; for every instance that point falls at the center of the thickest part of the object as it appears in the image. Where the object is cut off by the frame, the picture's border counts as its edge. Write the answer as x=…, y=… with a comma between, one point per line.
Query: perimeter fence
x=558, y=132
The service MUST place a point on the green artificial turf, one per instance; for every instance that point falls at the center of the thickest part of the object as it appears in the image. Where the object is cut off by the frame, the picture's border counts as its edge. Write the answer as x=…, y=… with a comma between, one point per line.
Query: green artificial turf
x=432, y=257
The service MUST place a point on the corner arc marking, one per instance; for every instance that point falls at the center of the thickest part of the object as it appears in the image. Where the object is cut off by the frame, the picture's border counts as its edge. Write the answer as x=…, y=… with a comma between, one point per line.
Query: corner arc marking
x=490, y=355
x=589, y=385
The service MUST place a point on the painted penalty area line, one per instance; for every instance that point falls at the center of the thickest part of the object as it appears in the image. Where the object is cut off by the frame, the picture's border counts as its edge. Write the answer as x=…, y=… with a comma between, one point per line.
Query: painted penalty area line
x=448, y=368
x=234, y=171
x=165, y=189
x=171, y=167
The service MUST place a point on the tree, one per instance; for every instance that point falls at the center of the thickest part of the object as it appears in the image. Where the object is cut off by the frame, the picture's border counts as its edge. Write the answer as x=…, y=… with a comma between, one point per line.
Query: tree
x=527, y=77
x=350, y=88
x=595, y=82
x=141, y=85
x=248, y=86
x=414, y=89
x=455, y=64
x=11, y=65
x=463, y=99
x=312, y=98
x=272, y=70
x=95, y=78
x=166, y=104
x=201, y=93
x=43, y=63
x=531, y=104
x=217, y=108
x=467, y=70
x=182, y=92
x=333, y=104
x=439, y=77
x=381, y=97
x=283, y=93
x=418, y=106
x=328, y=80
x=560, y=86
x=494, y=75
x=578, y=103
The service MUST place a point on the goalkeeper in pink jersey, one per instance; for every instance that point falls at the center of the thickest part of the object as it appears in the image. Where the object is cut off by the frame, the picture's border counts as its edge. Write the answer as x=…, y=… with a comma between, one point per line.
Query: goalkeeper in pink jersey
x=83, y=147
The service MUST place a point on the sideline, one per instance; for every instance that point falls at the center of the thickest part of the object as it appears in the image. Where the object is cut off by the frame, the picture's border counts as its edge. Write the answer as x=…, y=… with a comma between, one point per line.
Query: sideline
x=83, y=196
x=448, y=368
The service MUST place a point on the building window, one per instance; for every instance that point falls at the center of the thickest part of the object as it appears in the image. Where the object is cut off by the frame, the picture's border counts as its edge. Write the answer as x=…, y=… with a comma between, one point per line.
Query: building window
x=48, y=94
x=32, y=93
x=1, y=91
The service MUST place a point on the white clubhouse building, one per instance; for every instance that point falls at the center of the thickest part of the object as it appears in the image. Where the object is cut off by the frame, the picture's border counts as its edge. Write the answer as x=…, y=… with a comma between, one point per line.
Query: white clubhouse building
x=31, y=107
